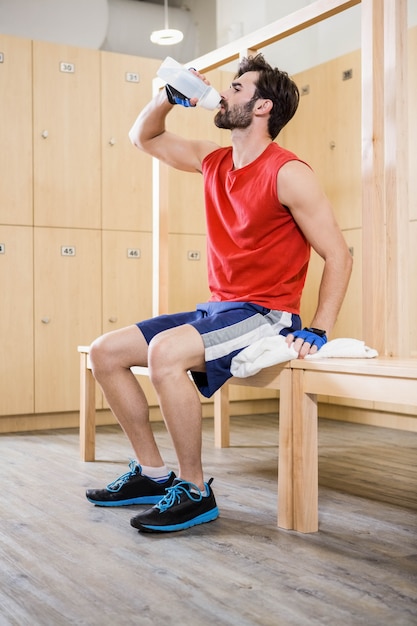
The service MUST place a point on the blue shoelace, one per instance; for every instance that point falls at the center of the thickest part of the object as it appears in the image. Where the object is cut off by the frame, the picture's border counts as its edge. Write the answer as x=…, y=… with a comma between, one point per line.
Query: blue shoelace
x=174, y=493
x=116, y=485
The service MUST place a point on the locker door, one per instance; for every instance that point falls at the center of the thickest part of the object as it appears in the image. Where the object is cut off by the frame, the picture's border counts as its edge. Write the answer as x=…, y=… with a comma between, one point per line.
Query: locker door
x=67, y=311
x=16, y=320
x=127, y=278
x=127, y=284
x=187, y=272
x=67, y=168
x=15, y=131
x=127, y=172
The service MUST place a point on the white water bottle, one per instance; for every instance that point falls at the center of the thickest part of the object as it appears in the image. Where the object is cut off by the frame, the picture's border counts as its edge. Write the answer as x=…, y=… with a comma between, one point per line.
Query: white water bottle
x=188, y=84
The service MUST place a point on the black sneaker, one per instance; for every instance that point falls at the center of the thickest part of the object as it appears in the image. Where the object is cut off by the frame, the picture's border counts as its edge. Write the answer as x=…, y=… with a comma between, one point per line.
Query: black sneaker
x=183, y=506
x=130, y=488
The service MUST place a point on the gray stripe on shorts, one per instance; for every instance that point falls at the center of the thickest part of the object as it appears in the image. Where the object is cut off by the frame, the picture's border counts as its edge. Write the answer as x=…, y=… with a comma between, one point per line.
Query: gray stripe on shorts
x=218, y=343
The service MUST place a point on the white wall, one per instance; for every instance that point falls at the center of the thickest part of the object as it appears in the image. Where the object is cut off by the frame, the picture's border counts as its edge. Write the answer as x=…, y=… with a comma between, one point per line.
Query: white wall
x=131, y=23
x=118, y=25
x=329, y=39
x=77, y=22
x=125, y=26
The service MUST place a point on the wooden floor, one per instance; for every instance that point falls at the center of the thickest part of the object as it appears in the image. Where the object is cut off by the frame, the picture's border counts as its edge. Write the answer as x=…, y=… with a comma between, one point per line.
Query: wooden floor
x=64, y=561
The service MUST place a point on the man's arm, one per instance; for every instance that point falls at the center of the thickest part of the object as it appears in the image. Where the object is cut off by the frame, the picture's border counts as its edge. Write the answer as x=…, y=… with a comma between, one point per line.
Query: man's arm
x=149, y=134
x=300, y=191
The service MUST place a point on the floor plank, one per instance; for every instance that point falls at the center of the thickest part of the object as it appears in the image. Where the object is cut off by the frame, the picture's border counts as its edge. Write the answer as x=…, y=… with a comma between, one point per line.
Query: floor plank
x=63, y=561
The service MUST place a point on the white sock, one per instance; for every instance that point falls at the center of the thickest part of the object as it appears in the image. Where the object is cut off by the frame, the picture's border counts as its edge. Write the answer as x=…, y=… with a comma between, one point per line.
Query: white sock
x=159, y=474
x=204, y=493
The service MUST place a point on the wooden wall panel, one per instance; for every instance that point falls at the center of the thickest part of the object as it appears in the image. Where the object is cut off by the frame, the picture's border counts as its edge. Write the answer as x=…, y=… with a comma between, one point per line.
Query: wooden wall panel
x=412, y=120
x=413, y=286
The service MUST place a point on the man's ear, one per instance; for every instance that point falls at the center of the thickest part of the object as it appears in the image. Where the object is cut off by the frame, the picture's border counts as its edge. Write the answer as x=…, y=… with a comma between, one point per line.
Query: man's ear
x=263, y=107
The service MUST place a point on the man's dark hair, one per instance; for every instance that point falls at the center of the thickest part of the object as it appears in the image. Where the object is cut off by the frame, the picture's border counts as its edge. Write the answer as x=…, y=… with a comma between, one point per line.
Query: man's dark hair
x=274, y=85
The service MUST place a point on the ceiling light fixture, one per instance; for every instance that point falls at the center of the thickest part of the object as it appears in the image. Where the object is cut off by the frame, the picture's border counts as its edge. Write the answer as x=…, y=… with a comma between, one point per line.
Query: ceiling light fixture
x=167, y=36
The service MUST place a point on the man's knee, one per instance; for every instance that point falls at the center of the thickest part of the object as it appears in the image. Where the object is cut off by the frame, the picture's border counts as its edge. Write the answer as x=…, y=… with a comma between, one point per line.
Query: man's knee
x=160, y=354
x=100, y=355
x=174, y=352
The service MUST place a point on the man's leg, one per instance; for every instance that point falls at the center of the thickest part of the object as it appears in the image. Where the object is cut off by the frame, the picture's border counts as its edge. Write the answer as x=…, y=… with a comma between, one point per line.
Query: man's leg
x=171, y=354
x=112, y=356
x=189, y=501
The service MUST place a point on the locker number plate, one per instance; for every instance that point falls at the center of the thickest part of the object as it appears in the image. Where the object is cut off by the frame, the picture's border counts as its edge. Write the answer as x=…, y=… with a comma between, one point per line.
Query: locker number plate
x=193, y=255
x=133, y=253
x=132, y=77
x=2, y=248
x=68, y=250
x=1, y=57
x=68, y=68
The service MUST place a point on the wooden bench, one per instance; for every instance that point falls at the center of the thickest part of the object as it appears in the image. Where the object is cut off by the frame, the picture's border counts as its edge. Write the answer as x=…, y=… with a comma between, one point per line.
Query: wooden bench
x=383, y=379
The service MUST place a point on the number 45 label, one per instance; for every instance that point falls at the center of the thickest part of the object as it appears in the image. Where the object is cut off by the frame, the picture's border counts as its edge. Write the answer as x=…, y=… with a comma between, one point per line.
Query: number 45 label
x=68, y=250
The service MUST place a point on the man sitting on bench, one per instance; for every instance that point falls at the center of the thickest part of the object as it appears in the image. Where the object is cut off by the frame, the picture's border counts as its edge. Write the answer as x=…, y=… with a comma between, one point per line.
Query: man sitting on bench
x=264, y=209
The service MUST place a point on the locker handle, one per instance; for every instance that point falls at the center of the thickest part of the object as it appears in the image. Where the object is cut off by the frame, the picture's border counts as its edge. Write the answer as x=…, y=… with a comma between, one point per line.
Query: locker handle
x=112, y=141
x=45, y=320
x=112, y=319
x=45, y=134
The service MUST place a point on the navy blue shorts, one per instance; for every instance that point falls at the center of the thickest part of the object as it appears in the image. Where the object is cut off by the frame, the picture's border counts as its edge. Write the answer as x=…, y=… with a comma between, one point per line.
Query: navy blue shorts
x=226, y=328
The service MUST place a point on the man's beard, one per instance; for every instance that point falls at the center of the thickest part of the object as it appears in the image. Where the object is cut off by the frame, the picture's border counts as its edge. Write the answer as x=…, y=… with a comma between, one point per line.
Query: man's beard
x=239, y=116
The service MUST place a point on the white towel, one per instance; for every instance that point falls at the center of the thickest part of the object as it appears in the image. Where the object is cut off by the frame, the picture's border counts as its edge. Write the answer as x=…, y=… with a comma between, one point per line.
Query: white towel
x=262, y=353
x=273, y=350
x=345, y=348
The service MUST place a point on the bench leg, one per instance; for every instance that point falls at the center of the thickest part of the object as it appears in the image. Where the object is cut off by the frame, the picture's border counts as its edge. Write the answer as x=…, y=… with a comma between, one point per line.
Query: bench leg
x=285, y=454
x=222, y=417
x=305, y=456
x=87, y=410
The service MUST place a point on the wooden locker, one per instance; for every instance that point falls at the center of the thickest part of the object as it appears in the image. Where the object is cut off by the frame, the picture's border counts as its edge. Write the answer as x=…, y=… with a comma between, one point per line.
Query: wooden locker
x=326, y=132
x=66, y=111
x=183, y=190
x=343, y=178
x=183, y=196
x=187, y=272
x=126, y=87
x=127, y=285
x=305, y=134
x=127, y=278
x=16, y=131
x=349, y=321
x=67, y=311
x=16, y=320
